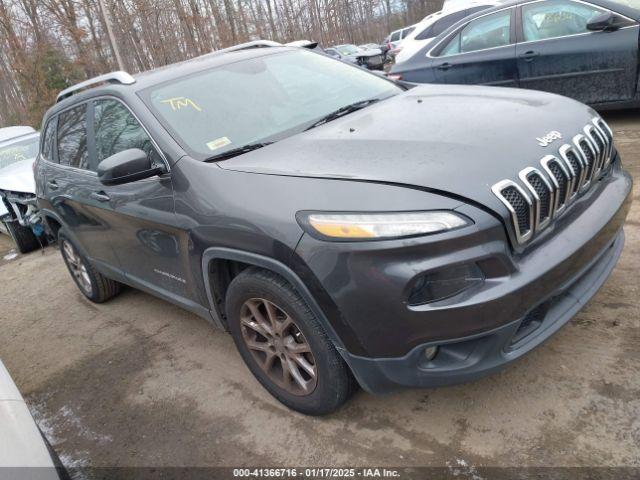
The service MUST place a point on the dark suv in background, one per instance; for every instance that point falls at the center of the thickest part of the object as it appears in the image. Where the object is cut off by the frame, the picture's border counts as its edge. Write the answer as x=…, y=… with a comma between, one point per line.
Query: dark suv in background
x=344, y=229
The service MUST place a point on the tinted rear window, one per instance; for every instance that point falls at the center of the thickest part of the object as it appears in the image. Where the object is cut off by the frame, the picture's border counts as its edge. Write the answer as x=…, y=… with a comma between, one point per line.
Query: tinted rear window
x=72, y=137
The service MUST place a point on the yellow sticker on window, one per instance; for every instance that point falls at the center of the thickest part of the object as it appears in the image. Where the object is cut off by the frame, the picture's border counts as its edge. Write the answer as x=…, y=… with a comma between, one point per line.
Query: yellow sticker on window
x=218, y=143
x=177, y=103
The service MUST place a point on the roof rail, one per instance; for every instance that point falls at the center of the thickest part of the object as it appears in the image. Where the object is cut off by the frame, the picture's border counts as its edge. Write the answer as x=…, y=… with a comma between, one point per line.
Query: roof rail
x=120, y=77
x=247, y=45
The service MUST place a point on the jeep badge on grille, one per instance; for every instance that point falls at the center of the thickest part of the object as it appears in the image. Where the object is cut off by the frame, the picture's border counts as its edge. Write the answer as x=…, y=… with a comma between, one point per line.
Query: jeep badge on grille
x=549, y=138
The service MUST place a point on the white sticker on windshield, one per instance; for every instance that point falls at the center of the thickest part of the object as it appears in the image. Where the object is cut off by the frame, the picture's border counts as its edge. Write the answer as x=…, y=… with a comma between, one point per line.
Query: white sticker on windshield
x=218, y=143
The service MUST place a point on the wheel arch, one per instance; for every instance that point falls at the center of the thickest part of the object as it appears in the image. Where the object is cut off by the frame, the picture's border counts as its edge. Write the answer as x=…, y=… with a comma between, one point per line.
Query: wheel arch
x=249, y=259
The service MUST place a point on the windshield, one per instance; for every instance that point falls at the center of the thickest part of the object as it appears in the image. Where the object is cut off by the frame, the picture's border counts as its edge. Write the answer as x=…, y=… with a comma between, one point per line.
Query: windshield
x=14, y=152
x=259, y=100
x=347, y=49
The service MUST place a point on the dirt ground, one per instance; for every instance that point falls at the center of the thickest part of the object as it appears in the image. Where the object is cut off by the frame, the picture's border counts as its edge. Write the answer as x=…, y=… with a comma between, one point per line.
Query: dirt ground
x=139, y=382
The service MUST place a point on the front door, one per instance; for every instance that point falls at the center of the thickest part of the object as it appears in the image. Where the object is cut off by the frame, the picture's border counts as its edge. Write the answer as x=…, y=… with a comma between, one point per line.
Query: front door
x=145, y=235
x=482, y=52
x=556, y=53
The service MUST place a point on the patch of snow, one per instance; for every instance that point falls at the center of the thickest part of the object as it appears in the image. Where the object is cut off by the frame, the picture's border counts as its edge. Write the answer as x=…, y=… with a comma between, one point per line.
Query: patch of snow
x=10, y=256
x=461, y=468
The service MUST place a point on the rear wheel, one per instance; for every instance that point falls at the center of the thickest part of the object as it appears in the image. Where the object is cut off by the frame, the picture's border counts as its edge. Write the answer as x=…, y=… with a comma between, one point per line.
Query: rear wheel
x=284, y=346
x=95, y=286
x=23, y=237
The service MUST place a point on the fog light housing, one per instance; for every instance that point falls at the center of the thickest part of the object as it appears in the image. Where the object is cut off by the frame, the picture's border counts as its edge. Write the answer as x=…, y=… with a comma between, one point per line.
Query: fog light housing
x=445, y=283
x=431, y=352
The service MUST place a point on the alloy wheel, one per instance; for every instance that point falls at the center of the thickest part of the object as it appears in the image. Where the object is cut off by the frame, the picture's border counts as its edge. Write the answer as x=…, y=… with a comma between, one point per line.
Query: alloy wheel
x=278, y=346
x=77, y=267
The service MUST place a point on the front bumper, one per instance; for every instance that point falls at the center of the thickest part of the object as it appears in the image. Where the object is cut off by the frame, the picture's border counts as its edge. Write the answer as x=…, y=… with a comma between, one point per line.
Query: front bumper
x=365, y=288
x=466, y=359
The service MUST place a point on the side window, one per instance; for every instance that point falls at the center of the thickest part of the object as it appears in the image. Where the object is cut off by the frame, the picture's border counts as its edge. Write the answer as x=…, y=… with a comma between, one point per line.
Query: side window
x=452, y=48
x=47, y=141
x=486, y=32
x=556, y=18
x=427, y=32
x=444, y=23
x=395, y=36
x=72, y=137
x=116, y=129
x=407, y=31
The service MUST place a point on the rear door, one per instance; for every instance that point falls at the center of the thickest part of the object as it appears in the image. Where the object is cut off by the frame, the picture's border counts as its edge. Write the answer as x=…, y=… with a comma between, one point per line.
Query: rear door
x=556, y=53
x=480, y=52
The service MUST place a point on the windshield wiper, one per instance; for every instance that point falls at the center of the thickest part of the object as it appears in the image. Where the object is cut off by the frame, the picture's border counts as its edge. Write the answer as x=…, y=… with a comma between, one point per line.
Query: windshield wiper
x=342, y=111
x=234, y=152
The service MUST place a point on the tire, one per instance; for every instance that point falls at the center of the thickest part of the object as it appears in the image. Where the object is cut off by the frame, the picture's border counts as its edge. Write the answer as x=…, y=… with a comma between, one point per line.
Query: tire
x=23, y=237
x=93, y=285
x=328, y=382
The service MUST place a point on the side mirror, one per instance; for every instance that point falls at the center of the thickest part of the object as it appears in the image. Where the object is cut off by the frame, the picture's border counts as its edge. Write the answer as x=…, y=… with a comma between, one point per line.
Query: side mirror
x=126, y=166
x=606, y=22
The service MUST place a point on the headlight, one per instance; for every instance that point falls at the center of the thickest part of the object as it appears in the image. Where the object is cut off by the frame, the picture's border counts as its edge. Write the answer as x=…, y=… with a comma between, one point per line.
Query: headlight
x=371, y=226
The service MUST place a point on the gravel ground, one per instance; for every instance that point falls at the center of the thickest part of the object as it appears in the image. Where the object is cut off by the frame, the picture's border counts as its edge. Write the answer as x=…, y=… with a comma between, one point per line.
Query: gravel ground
x=139, y=382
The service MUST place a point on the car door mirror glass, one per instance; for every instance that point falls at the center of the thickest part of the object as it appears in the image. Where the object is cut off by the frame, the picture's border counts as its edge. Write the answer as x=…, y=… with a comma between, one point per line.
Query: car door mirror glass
x=126, y=166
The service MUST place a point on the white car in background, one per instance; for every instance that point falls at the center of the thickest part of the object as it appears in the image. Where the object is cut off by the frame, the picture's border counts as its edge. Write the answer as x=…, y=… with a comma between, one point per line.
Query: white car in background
x=24, y=452
x=433, y=25
x=18, y=209
x=395, y=38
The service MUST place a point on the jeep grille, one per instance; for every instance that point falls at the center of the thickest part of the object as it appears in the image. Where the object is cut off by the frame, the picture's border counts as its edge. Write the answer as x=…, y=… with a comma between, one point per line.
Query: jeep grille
x=563, y=177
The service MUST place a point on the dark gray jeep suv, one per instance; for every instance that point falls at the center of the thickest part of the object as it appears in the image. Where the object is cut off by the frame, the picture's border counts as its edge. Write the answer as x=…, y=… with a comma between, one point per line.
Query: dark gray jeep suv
x=345, y=229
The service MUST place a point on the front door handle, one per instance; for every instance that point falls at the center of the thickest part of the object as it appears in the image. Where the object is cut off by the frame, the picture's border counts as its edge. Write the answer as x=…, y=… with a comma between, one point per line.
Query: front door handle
x=100, y=196
x=52, y=185
x=528, y=56
x=444, y=66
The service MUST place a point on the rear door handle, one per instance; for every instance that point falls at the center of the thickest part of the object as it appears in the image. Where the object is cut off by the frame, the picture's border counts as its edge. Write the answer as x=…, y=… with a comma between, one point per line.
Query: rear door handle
x=100, y=196
x=444, y=66
x=52, y=185
x=528, y=56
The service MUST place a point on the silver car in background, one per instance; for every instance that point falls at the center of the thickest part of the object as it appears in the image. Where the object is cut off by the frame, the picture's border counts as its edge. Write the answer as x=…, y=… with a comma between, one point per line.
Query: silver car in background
x=19, y=216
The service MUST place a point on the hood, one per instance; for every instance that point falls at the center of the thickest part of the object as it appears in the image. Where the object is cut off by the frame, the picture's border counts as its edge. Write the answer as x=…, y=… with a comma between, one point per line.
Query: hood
x=18, y=177
x=367, y=53
x=445, y=138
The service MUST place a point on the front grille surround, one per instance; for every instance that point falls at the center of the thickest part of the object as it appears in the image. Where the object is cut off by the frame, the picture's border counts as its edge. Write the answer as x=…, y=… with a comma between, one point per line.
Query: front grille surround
x=542, y=195
x=522, y=235
x=564, y=176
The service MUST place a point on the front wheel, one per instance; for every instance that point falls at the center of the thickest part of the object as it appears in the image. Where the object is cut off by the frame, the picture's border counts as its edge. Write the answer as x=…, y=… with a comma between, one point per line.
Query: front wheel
x=284, y=346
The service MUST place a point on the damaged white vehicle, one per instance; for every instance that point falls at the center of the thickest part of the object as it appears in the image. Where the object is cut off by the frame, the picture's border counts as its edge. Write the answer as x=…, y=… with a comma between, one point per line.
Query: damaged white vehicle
x=19, y=216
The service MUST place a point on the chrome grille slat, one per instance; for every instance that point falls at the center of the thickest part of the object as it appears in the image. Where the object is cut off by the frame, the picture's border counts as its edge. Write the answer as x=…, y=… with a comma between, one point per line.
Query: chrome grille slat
x=542, y=195
x=589, y=156
x=563, y=177
x=606, y=132
x=522, y=221
x=575, y=164
x=589, y=132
